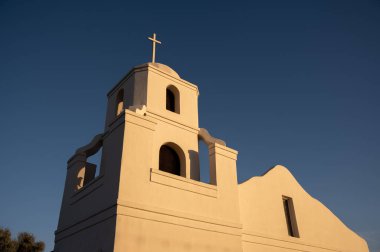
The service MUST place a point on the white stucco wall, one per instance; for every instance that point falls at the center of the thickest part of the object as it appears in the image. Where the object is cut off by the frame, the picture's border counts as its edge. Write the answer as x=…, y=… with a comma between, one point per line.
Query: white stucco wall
x=264, y=223
x=133, y=206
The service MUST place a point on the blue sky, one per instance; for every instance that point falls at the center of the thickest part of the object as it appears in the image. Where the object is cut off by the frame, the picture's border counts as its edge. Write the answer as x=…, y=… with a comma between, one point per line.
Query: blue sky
x=295, y=83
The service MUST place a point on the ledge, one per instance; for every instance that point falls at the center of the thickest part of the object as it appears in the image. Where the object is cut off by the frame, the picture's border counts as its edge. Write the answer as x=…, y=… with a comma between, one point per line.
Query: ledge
x=182, y=183
x=284, y=242
x=178, y=218
x=139, y=120
x=86, y=190
x=218, y=149
x=151, y=113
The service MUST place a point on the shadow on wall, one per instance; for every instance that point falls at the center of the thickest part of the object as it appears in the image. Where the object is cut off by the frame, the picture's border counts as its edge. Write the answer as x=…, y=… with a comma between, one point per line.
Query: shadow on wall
x=194, y=164
x=200, y=163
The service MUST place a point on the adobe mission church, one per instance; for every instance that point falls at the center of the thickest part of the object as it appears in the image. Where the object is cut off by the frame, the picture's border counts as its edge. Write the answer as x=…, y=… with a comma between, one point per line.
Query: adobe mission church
x=146, y=194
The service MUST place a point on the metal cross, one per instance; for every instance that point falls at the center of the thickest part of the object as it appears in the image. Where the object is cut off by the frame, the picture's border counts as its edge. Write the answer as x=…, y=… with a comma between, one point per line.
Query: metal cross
x=154, y=41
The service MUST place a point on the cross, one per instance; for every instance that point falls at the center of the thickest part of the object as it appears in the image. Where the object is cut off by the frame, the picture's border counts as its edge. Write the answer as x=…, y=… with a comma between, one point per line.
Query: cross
x=154, y=41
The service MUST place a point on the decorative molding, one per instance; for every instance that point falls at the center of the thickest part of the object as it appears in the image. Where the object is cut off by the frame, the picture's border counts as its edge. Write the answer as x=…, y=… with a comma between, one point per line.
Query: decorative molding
x=87, y=189
x=290, y=243
x=89, y=149
x=149, y=67
x=182, y=183
x=179, y=81
x=140, y=211
x=139, y=120
x=85, y=223
x=138, y=109
x=208, y=139
x=217, y=149
x=116, y=121
x=153, y=114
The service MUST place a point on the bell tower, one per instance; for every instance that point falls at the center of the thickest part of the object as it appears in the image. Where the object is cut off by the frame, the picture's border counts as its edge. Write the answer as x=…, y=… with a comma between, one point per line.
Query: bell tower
x=157, y=92
x=147, y=195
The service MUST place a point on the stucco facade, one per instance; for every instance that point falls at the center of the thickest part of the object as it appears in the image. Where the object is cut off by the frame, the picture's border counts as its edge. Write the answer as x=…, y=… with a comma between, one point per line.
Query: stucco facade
x=147, y=195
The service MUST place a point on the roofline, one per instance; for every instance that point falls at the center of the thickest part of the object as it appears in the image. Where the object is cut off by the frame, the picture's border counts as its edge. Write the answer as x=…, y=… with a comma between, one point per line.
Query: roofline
x=145, y=67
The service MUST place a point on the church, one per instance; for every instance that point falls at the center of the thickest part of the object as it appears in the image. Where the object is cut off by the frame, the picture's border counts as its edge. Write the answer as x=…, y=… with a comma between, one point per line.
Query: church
x=145, y=195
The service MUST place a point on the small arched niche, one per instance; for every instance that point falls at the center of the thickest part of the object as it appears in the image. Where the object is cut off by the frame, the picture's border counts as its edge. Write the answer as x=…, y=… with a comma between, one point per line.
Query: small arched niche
x=119, y=102
x=172, y=99
x=172, y=159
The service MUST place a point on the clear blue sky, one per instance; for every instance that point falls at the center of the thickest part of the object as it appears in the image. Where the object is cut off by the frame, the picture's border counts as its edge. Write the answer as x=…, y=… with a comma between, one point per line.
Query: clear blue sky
x=295, y=83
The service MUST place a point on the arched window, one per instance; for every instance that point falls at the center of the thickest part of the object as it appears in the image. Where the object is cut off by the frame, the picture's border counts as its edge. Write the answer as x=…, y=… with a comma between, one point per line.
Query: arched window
x=169, y=160
x=119, y=102
x=92, y=164
x=172, y=99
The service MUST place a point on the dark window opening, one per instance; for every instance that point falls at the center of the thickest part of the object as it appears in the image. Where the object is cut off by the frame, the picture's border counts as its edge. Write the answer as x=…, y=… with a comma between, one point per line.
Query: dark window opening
x=170, y=100
x=92, y=165
x=290, y=216
x=96, y=160
x=169, y=161
x=119, y=102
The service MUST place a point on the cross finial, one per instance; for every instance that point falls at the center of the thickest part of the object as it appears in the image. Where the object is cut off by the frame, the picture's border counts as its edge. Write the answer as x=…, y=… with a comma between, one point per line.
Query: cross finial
x=154, y=41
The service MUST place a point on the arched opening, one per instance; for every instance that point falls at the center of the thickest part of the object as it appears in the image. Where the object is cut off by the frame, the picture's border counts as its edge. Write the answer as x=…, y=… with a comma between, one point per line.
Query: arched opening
x=119, y=102
x=172, y=99
x=169, y=160
x=206, y=159
x=204, y=162
x=92, y=164
x=91, y=169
